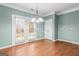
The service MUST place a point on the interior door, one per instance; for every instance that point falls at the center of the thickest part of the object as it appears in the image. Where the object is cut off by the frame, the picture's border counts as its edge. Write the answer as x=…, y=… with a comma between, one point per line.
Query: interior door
x=20, y=32
x=48, y=29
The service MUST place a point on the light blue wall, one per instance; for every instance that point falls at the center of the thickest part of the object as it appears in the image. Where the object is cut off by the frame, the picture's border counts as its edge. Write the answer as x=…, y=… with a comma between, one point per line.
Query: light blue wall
x=6, y=24
x=40, y=30
x=56, y=26
x=68, y=26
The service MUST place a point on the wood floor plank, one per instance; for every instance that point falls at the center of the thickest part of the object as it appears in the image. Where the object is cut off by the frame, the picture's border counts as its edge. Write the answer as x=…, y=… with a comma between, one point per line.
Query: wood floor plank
x=43, y=48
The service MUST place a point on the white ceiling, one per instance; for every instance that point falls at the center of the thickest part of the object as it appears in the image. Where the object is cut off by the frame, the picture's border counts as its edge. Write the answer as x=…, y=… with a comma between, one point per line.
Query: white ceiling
x=44, y=8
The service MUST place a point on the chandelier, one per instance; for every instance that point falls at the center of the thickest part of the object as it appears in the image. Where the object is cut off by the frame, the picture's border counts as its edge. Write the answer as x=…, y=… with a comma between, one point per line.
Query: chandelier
x=36, y=17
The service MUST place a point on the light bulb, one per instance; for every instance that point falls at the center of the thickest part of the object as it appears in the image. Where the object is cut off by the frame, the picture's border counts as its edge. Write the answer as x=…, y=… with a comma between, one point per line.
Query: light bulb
x=33, y=20
x=40, y=19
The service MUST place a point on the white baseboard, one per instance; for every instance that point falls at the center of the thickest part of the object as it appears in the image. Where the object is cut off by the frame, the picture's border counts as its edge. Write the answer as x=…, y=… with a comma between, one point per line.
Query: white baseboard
x=39, y=39
x=18, y=44
x=68, y=41
x=50, y=39
x=5, y=47
x=10, y=46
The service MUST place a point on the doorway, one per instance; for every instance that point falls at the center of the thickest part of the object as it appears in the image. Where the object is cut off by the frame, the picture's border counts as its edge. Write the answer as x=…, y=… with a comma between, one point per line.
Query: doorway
x=23, y=30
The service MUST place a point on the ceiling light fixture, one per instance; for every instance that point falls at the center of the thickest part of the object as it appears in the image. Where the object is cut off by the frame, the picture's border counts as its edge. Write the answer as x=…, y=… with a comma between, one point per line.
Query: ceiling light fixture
x=37, y=18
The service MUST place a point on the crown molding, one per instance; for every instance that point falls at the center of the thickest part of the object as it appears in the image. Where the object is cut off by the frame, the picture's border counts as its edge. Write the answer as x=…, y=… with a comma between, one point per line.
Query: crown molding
x=49, y=14
x=60, y=13
x=64, y=12
x=20, y=9
x=10, y=6
x=68, y=11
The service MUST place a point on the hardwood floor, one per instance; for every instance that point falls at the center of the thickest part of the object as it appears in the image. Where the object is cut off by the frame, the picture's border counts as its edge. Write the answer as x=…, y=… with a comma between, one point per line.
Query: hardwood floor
x=43, y=48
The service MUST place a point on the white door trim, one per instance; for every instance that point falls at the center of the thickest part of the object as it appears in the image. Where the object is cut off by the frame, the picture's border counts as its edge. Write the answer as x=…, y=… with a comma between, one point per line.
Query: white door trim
x=14, y=27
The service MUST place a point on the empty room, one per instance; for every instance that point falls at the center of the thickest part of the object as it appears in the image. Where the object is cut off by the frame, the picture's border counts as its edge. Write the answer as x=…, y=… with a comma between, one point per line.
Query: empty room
x=39, y=29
